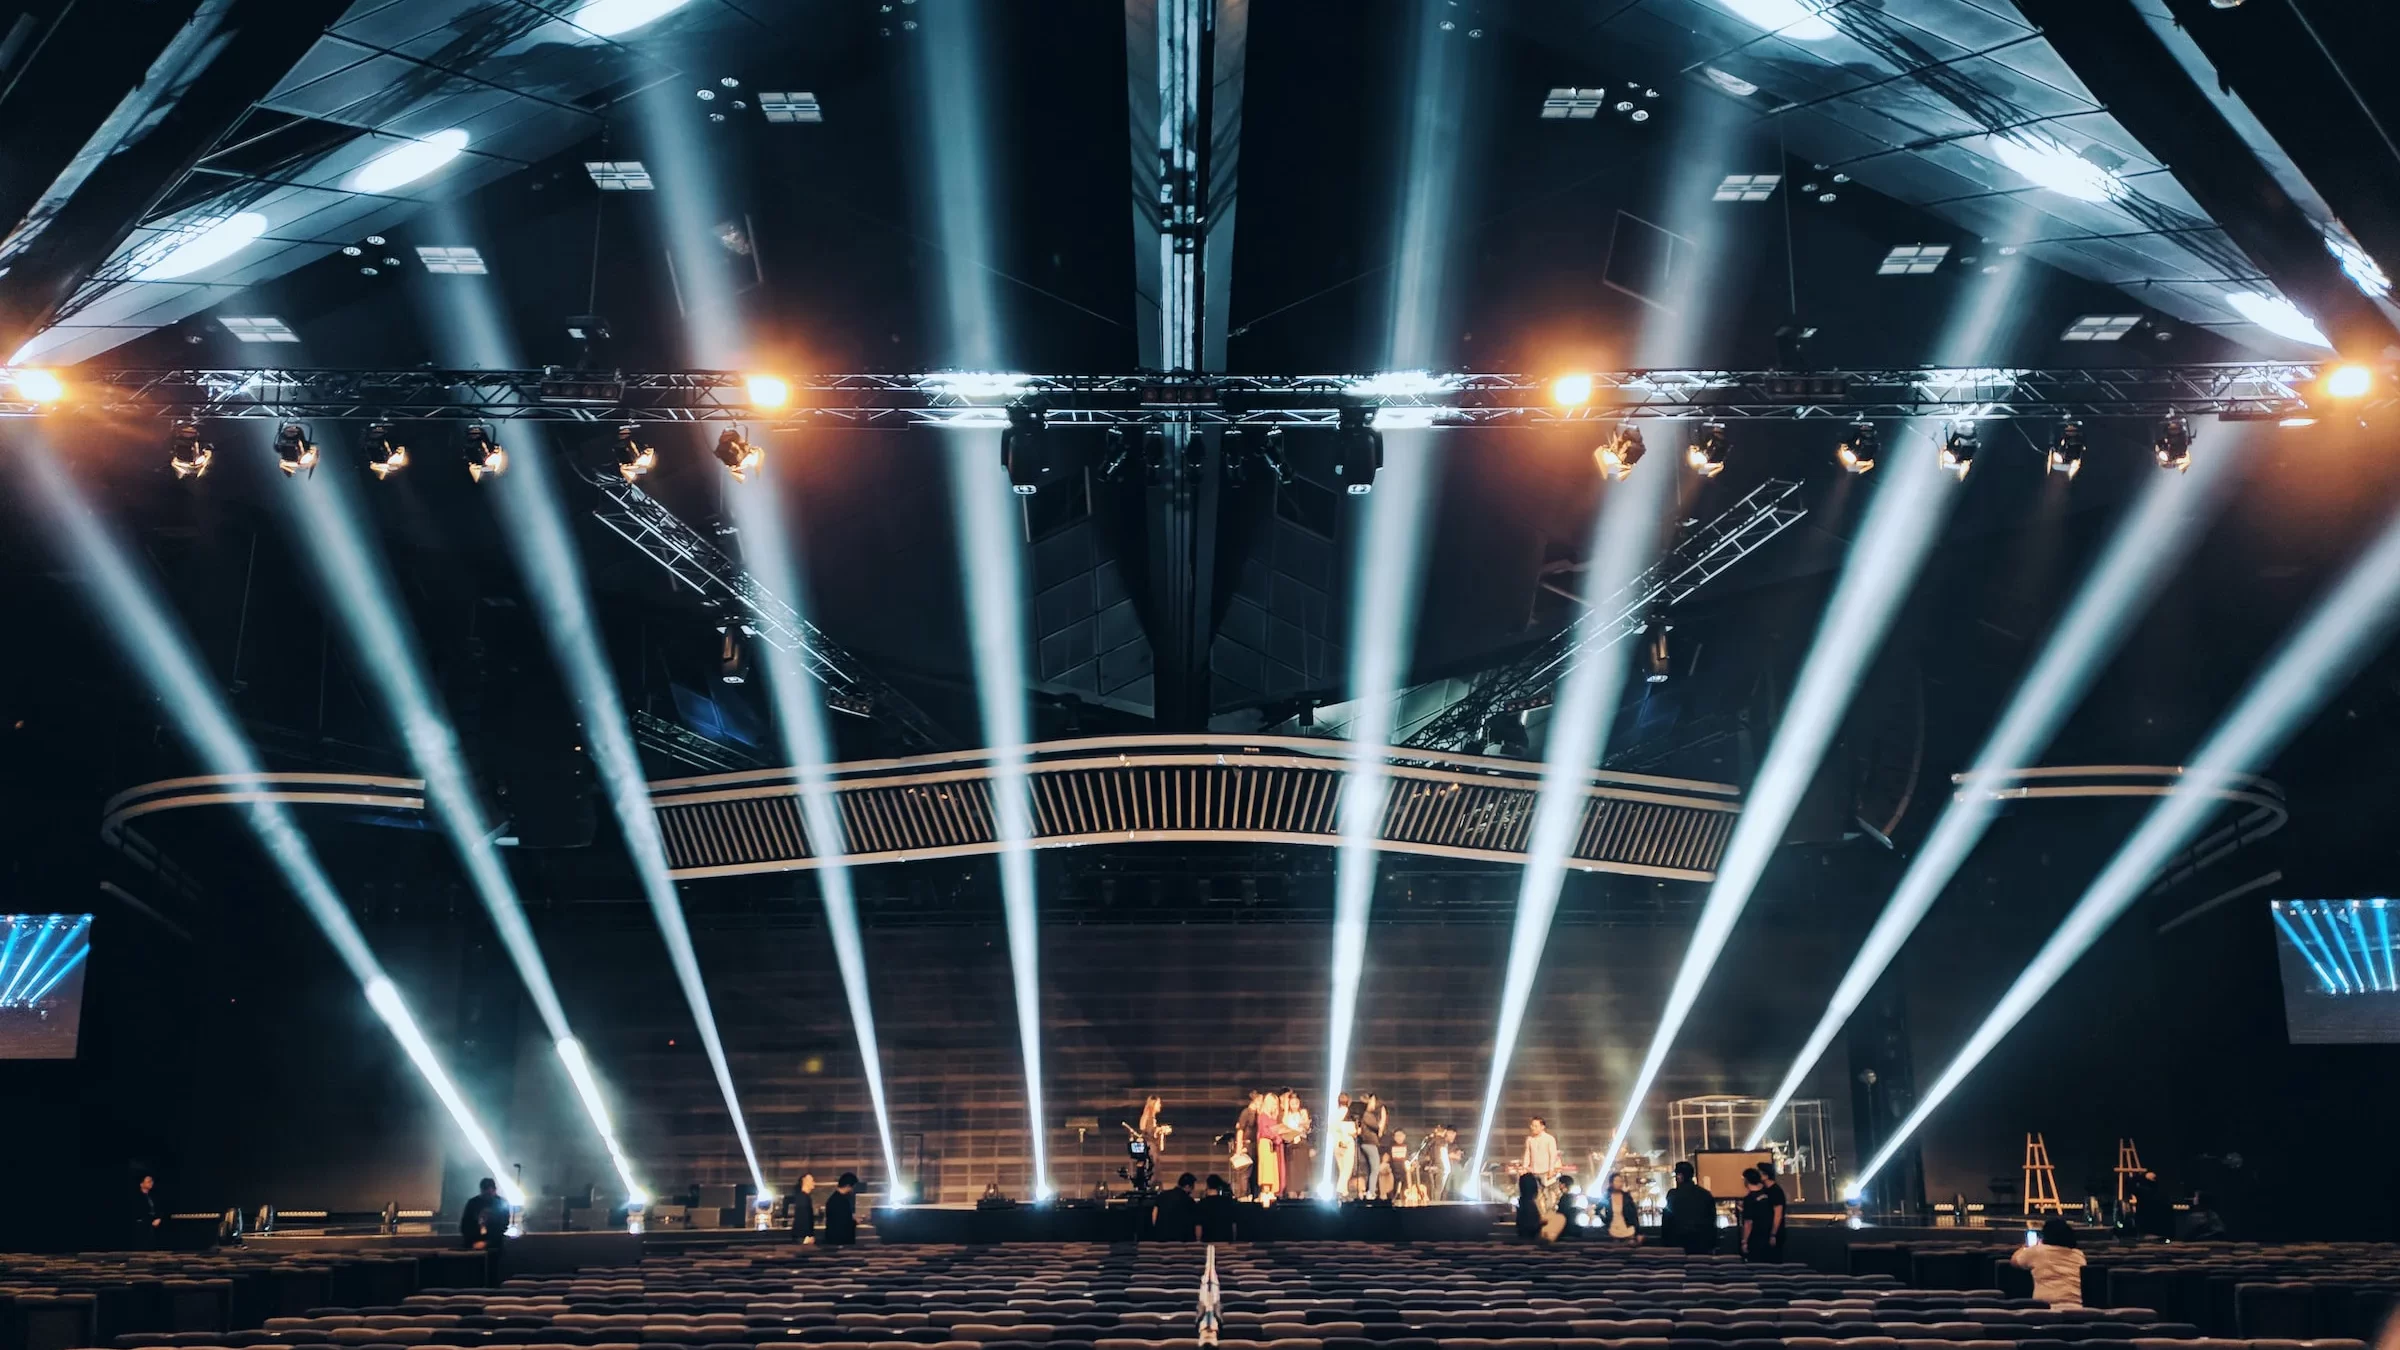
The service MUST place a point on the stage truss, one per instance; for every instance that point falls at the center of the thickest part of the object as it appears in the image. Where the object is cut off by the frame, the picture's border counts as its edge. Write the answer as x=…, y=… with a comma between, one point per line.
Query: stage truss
x=2259, y=390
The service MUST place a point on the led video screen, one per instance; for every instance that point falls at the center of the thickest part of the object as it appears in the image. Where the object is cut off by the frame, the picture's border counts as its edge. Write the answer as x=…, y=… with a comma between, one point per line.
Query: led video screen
x=2341, y=985
x=41, y=983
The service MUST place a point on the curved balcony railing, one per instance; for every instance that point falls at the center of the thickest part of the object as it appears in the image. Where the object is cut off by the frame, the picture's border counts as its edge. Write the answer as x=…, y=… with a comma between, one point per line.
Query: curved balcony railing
x=1157, y=789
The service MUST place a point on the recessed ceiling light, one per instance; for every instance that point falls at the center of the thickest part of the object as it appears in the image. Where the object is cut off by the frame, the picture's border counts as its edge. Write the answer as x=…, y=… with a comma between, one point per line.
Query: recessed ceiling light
x=2278, y=316
x=408, y=161
x=2057, y=168
x=1729, y=82
x=1796, y=19
x=794, y=106
x=1912, y=260
x=2100, y=328
x=619, y=175
x=1574, y=103
x=258, y=328
x=1747, y=187
x=464, y=262
x=205, y=246
x=609, y=18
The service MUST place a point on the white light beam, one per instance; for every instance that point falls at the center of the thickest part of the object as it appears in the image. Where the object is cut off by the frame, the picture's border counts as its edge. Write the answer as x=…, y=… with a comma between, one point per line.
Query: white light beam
x=1901, y=524
x=155, y=644
x=2346, y=628
x=2143, y=554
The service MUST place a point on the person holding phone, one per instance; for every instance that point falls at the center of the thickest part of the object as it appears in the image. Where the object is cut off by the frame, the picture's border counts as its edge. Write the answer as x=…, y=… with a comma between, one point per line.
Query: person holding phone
x=2054, y=1257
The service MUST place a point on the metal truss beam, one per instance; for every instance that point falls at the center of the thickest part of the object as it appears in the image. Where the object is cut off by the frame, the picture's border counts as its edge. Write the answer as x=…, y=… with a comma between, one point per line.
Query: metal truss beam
x=692, y=560
x=1699, y=557
x=2259, y=389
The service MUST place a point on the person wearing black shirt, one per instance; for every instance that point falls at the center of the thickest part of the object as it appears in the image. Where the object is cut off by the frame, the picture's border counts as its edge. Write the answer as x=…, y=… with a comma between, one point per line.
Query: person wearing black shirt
x=1758, y=1217
x=1176, y=1215
x=1372, y=1121
x=804, y=1209
x=1218, y=1213
x=483, y=1224
x=149, y=1216
x=841, y=1213
x=1766, y=1173
x=1690, y=1220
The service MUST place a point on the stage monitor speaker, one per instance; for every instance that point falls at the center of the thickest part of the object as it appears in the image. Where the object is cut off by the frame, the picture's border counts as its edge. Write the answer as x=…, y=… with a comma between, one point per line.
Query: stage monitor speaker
x=1719, y=1171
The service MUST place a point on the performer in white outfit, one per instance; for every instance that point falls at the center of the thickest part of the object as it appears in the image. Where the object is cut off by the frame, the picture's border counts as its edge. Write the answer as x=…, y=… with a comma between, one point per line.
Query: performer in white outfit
x=1541, y=1152
x=1345, y=1148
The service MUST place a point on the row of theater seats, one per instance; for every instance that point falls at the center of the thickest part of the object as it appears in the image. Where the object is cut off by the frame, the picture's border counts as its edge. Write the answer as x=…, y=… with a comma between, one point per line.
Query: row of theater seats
x=2289, y=1291
x=60, y=1302
x=1295, y=1296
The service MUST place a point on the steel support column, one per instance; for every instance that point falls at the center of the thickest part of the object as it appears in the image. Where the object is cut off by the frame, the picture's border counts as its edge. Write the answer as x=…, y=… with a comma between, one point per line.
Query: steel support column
x=1184, y=62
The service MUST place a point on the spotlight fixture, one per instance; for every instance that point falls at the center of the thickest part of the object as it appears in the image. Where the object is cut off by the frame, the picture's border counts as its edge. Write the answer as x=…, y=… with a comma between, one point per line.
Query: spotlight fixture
x=2174, y=444
x=294, y=451
x=2066, y=453
x=486, y=458
x=740, y=457
x=1357, y=451
x=634, y=459
x=1706, y=453
x=1959, y=444
x=2349, y=381
x=1656, y=666
x=1245, y=453
x=1858, y=446
x=1024, y=448
x=385, y=456
x=1571, y=391
x=39, y=386
x=187, y=454
x=733, y=657
x=767, y=391
x=1617, y=456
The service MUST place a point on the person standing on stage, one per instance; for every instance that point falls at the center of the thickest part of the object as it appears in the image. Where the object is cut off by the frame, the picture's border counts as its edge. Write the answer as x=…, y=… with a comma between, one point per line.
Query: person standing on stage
x=1690, y=1220
x=149, y=1216
x=1345, y=1146
x=1268, y=1174
x=804, y=1209
x=1774, y=1191
x=1243, y=1159
x=1300, y=1148
x=841, y=1213
x=1541, y=1152
x=1372, y=1121
x=1395, y=1167
x=1759, y=1216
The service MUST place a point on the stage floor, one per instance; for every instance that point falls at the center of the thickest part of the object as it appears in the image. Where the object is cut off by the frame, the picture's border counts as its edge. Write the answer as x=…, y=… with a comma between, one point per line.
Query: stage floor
x=1299, y=1221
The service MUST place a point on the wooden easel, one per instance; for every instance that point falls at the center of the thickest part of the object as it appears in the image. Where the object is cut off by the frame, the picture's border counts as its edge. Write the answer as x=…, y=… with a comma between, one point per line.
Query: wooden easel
x=2129, y=1166
x=2041, y=1179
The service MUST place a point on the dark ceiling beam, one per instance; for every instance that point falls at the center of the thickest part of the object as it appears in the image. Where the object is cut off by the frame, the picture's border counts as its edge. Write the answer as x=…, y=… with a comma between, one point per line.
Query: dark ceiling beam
x=226, y=57
x=61, y=76
x=2111, y=48
x=2269, y=55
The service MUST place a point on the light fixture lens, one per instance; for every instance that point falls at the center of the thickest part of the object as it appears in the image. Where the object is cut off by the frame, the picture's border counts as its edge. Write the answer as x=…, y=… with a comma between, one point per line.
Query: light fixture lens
x=2343, y=381
x=40, y=386
x=1571, y=391
x=408, y=161
x=609, y=18
x=768, y=391
x=205, y=248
